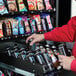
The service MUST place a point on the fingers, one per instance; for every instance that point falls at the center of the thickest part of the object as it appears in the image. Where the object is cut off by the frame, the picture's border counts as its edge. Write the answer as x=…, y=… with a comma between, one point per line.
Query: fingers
x=61, y=57
x=73, y=57
x=31, y=37
x=32, y=42
x=61, y=64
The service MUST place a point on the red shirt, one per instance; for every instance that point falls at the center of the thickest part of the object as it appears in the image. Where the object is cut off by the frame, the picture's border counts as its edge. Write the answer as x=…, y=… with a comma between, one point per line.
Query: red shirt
x=66, y=33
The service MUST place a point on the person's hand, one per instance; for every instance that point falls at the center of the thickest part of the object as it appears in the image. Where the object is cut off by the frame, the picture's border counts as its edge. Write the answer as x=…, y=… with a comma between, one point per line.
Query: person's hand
x=66, y=61
x=36, y=38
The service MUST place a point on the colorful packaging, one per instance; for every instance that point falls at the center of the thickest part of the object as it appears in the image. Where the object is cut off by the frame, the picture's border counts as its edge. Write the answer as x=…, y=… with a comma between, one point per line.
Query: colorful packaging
x=32, y=23
x=50, y=26
x=12, y=5
x=26, y=25
x=14, y=26
x=1, y=73
x=1, y=31
x=48, y=5
x=38, y=21
x=8, y=27
x=40, y=5
x=3, y=9
x=32, y=4
x=22, y=7
x=44, y=24
x=20, y=25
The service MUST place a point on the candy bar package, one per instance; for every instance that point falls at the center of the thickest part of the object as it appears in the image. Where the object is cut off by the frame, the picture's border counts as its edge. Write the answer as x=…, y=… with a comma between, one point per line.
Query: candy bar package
x=40, y=5
x=32, y=24
x=48, y=5
x=38, y=21
x=50, y=26
x=20, y=25
x=1, y=31
x=43, y=24
x=43, y=21
x=8, y=27
x=21, y=5
x=3, y=9
x=14, y=24
x=26, y=25
x=12, y=5
x=32, y=4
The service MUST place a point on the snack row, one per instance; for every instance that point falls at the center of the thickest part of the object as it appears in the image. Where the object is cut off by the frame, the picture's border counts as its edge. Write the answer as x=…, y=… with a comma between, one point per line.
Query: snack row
x=22, y=25
x=7, y=6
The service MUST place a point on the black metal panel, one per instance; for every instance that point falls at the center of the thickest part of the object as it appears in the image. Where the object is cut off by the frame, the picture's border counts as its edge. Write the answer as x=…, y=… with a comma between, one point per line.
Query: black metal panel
x=24, y=65
x=64, y=11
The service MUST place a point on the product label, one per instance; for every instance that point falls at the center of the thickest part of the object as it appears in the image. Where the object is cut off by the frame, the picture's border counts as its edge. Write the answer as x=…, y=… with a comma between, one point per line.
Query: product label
x=44, y=26
x=22, y=7
x=40, y=5
x=12, y=5
x=32, y=22
x=49, y=22
x=3, y=9
x=48, y=5
x=32, y=4
x=27, y=28
x=38, y=21
x=20, y=25
x=15, y=27
x=8, y=27
x=1, y=31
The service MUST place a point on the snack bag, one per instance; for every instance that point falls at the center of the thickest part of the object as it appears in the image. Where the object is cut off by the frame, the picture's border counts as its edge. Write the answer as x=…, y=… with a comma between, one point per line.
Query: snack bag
x=1, y=31
x=44, y=24
x=8, y=27
x=32, y=24
x=14, y=23
x=32, y=4
x=48, y=5
x=40, y=5
x=38, y=21
x=50, y=26
x=43, y=21
x=3, y=9
x=22, y=7
x=20, y=25
x=26, y=25
x=12, y=5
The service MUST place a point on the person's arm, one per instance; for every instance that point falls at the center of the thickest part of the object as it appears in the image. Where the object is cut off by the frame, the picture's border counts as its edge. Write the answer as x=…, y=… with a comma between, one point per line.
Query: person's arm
x=73, y=65
x=65, y=33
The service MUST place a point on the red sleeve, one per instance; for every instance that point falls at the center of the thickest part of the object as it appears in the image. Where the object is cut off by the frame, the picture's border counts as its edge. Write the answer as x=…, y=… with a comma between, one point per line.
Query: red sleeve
x=65, y=33
x=73, y=65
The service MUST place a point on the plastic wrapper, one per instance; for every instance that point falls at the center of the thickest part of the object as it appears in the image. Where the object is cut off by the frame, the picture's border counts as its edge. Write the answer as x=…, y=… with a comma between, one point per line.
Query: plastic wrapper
x=32, y=24
x=26, y=25
x=12, y=5
x=40, y=5
x=22, y=7
x=32, y=4
x=8, y=27
x=20, y=25
x=14, y=24
x=43, y=24
x=1, y=31
x=50, y=26
x=43, y=21
x=48, y=5
x=3, y=9
x=38, y=21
